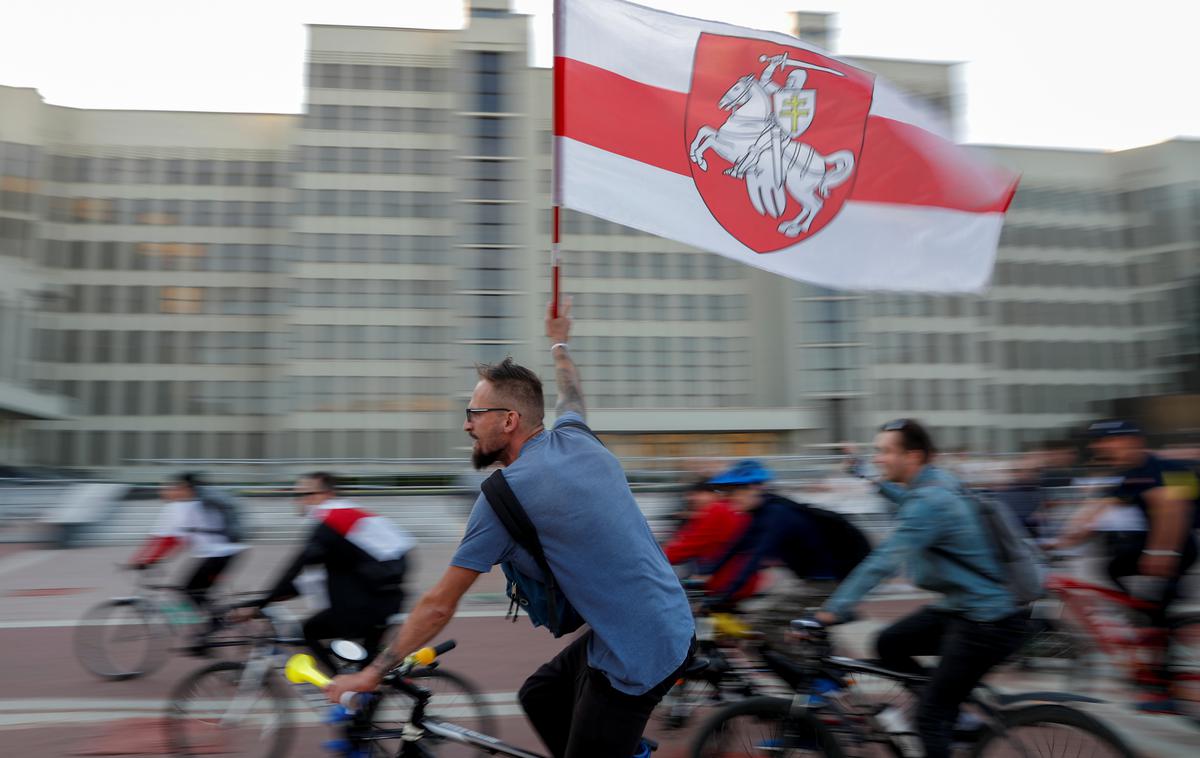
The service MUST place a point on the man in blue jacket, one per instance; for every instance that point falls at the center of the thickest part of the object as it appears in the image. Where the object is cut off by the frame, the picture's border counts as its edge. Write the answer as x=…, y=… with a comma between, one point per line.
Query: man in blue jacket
x=976, y=624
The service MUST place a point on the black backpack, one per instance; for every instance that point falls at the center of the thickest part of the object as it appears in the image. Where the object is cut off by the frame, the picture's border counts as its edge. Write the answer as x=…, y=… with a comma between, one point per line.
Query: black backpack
x=846, y=541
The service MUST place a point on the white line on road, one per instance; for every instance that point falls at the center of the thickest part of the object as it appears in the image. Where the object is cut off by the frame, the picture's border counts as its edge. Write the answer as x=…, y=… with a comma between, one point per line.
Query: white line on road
x=25, y=560
x=63, y=623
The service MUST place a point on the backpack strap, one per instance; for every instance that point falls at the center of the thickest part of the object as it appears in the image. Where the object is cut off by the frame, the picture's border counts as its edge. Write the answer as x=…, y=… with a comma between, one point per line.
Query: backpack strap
x=580, y=425
x=512, y=515
x=960, y=561
x=972, y=502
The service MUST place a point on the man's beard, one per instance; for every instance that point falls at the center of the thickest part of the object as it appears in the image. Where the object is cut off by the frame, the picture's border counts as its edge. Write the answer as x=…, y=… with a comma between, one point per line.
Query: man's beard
x=481, y=459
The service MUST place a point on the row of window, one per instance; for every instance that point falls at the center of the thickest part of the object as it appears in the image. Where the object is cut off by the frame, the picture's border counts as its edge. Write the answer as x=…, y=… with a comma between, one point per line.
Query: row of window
x=659, y=351
x=372, y=248
x=1068, y=200
x=330, y=159
x=114, y=448
x=15, y=197
x=168, y=212
x=108, y=255
x=399, y=204
x=906, y=347
x=1143, y=272
x=150, y=299
x=606, y=306
x=162, y=348
x=388, y=78
x=1091, y=237
x=1037, y=313
x=1033, y=274
x=369, y=343
x=174, y=398
x=1074, y=356
x=377, y=118
x=19, y=160
x=184, y=171
x=608, y=264
x=917, y=395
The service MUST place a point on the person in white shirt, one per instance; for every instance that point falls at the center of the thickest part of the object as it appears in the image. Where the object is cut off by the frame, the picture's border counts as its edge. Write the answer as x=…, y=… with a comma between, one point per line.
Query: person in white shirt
x=189, y=521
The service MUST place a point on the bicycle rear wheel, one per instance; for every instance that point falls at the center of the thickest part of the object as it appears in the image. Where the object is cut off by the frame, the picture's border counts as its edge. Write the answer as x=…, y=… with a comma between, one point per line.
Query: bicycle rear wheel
x=763, y=726
x=455, y=699
x=1183, y=664
x=121, y=639
x=1051, y=731
x=219, y=709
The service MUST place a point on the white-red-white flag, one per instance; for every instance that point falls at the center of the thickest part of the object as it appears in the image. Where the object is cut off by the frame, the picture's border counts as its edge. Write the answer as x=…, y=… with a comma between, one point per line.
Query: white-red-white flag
x=767, y=150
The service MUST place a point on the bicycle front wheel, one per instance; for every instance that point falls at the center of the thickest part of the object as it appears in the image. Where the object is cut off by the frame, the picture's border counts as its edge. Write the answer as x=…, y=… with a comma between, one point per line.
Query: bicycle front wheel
x=455, y=699
x=222, y=709
x=1183, y=664
x=764, y=726
x=121, y=639
x=1051, y=731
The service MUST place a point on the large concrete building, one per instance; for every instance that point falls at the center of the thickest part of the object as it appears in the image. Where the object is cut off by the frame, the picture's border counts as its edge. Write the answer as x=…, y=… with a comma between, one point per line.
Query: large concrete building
x=250, y=286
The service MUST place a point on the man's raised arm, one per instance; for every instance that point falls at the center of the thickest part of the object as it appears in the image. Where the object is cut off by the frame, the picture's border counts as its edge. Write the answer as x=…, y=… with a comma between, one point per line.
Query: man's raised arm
x=558, y=329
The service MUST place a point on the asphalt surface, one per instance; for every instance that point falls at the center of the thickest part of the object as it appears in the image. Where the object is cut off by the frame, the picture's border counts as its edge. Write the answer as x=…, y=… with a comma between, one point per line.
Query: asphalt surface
x=51, y=706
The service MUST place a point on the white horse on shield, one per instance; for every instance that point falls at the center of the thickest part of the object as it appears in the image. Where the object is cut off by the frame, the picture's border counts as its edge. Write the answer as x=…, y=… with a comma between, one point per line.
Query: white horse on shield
x=752, y=133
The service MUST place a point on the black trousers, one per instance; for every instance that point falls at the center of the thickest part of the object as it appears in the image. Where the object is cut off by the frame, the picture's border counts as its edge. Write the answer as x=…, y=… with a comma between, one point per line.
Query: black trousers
x=367, y=628
x=968, y=650
x=207, y=573
x=578, y=714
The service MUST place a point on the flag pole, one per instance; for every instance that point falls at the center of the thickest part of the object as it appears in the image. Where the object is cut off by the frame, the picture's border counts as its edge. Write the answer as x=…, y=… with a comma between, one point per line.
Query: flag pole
x=556, y=157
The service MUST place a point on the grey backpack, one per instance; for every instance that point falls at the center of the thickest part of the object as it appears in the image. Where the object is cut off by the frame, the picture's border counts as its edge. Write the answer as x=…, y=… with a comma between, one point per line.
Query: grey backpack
x=1023, y=572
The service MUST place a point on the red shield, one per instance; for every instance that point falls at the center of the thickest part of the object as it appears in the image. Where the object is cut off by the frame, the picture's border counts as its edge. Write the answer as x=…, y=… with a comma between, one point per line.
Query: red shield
x=794, y=146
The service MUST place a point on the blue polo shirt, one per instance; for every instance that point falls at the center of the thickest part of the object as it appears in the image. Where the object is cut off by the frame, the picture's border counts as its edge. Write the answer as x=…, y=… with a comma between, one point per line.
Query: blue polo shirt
x=601, y=550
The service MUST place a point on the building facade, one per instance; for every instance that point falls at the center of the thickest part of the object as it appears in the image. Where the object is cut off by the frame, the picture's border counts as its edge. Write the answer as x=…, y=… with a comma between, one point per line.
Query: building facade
x=201, y=286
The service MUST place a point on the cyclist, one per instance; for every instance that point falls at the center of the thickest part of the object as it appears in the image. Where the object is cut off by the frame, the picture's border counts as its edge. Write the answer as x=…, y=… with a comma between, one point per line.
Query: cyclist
x=1164, y=492
x=941, y=541
x=595, y=697
x=713, y=525
x=818, y=546
x=363, y=557
x=189, y=519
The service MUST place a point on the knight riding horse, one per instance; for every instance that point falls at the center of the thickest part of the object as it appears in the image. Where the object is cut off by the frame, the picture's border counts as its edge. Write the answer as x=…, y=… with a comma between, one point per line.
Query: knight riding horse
x=764, y=122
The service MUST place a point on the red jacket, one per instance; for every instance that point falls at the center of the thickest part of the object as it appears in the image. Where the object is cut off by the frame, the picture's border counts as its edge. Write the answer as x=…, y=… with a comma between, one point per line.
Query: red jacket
x=706, y=537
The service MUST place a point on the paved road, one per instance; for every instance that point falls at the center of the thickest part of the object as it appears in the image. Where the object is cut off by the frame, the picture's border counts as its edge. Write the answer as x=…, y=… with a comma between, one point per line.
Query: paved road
x=51, y=707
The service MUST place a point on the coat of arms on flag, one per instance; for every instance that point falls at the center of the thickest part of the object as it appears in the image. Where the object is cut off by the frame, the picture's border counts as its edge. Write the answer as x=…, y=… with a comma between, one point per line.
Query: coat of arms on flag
x=787, y=167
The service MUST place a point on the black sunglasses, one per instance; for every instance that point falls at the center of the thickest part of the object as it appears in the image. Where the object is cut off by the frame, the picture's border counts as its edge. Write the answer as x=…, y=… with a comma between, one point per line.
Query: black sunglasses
x=472, y=411
x=898, y=425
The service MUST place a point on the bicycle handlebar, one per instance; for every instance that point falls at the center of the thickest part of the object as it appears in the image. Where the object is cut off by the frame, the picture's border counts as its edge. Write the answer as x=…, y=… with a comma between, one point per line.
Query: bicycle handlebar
x=302, y=668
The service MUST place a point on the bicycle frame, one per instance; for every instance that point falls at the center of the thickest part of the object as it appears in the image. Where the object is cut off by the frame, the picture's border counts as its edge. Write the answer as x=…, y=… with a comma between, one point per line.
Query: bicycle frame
x=414, y=732
x=1112, y=637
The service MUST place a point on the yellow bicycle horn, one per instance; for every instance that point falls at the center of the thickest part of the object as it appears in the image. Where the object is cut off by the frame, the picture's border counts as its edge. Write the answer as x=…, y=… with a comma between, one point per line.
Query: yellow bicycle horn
x=302, y=668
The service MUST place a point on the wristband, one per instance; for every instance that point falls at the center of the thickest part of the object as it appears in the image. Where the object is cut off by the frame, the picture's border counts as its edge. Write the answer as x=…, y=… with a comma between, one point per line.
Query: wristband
x=563, y=345
x=1172, y=553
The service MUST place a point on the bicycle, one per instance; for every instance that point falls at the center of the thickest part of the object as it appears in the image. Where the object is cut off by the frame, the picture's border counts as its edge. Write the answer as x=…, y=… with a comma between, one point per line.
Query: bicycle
x=128, y=637
x=244, y=708
x=364, y=733
x=720, y=669
x=1080, y=619
x=836, y=712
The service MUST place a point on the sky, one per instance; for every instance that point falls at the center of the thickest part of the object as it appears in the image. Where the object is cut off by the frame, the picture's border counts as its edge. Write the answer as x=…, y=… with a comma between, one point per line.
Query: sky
x=1063, y=73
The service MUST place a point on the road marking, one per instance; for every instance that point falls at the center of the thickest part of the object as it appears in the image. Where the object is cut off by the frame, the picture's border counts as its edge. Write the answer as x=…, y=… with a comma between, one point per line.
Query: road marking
x=65, y=623
x=27, y=712
x=25, y=560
